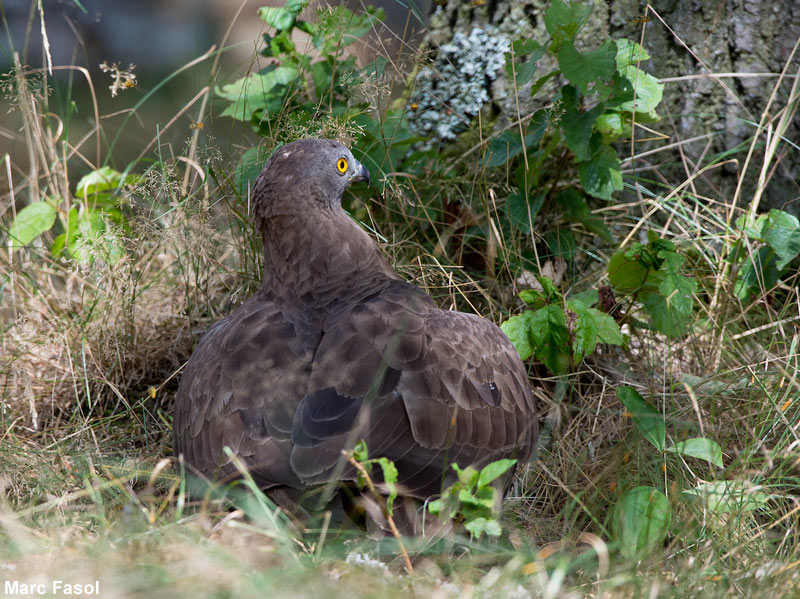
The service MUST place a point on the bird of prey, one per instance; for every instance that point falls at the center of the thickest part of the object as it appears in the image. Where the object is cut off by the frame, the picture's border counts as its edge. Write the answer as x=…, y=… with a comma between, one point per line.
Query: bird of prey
x=336, y=347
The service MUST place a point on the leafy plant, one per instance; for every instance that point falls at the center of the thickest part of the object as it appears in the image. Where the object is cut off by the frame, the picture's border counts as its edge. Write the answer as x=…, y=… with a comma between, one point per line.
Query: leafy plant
x=606, y=92
x=294, y=83
x=560, y=332
x=84, y=225
x=653, y=275
x=360, y=454
x=778, y=235
x=643, y=514
x=473, y=498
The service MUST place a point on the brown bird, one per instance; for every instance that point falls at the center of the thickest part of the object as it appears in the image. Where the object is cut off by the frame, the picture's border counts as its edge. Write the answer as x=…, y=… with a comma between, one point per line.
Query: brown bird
x=336, y=347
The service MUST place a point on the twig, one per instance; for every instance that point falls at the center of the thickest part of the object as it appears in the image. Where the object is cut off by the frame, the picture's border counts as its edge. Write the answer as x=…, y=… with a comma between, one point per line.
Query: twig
x=379, y=499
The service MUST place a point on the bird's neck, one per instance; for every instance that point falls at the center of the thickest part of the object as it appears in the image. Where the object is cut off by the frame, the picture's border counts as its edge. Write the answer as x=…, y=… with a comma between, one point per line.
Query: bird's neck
x=320, y=261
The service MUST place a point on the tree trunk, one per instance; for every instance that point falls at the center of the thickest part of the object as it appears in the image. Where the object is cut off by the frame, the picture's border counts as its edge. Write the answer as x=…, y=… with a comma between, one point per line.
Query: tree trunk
x=723, y=36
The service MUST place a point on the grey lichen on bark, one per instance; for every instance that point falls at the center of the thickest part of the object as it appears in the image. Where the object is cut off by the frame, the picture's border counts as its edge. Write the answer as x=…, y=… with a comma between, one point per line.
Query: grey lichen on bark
x=726, y=36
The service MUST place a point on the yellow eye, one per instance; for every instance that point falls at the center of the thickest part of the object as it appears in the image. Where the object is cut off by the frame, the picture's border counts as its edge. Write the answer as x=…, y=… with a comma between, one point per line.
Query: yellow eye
x=341, y=165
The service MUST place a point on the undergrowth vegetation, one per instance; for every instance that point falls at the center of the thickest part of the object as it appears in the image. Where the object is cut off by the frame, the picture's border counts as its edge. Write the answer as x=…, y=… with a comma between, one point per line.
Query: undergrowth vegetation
x=657, y=315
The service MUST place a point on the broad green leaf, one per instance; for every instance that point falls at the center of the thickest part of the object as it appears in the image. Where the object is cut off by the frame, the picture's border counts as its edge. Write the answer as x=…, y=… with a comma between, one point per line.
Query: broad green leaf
x=508, y=144
x=588, y=297
x=533, y=297
x=563, y=19
x=602, y=175
x=578, y=126
x=646, y=418
x=468, y=476
x=671, y=308
x=550, y=339
x=648, y=92
x=66, y=240
x=577, y=210
x=494, y=470
x=561, y=243
x=517, y=329
x=283, y=17
x=608, y=330
x=782, y=234
x=730, y=496
x=585, y=331
x=629, y=53
x=479, y=502
x=610, y=126
x=592, y=327
x=641, y=521
x=33, y=220
x=248, y=169
x=756, y=272
x=625, y=275
x=104, y=179
x=700, y=447
x=255, y=92
x=478, y=526
x=522, y=213
x=589, y=71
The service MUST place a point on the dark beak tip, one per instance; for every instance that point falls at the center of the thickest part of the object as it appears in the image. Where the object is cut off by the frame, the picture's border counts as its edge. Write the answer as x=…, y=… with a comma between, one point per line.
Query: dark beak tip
x=361, y=175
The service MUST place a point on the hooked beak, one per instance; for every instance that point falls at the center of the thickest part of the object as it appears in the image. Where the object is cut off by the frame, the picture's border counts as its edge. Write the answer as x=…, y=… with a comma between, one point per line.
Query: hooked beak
x=361, y=173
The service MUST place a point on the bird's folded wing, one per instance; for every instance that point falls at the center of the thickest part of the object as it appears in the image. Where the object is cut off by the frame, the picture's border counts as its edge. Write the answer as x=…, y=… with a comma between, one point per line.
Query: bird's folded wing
x=423, y=386
x=240, y=390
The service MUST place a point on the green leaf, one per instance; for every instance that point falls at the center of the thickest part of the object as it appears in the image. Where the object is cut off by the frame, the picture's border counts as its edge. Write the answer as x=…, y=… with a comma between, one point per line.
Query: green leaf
x=577, y=210
x=494, y=470
x=516, y=329
x=104, y=179
x=602, y=175
x=729, y=496
x=478, y=502
x=641, y=521
x=577, y=125
x=561, y=243
x=522, y=213
x=625, y=275
x=648, y=92
x=592, y=327
x=283, y=17
x=646, y=418
x=531, y=51
x=757, y=271
x=608, y=330
x=563, y=19
x=589, y=297
x=782, y=234
x=390, y=480
x=468, y=476
x=508, y=144
x=30, y=222
x=248, y=169
x=629, y=53
x=671, y=308
x=550, y=339
x=589, y=71
x=700, y=447
x=478, y=526
x=610, y=126
x=360, y=452
x=255, y=92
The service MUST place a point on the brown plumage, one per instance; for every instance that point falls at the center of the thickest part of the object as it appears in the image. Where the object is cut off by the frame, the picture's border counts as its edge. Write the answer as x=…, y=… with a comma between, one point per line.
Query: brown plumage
x=336, y=347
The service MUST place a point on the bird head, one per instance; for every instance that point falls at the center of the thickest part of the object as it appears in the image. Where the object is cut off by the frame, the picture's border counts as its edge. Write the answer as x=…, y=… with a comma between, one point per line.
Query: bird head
x=319, y=170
